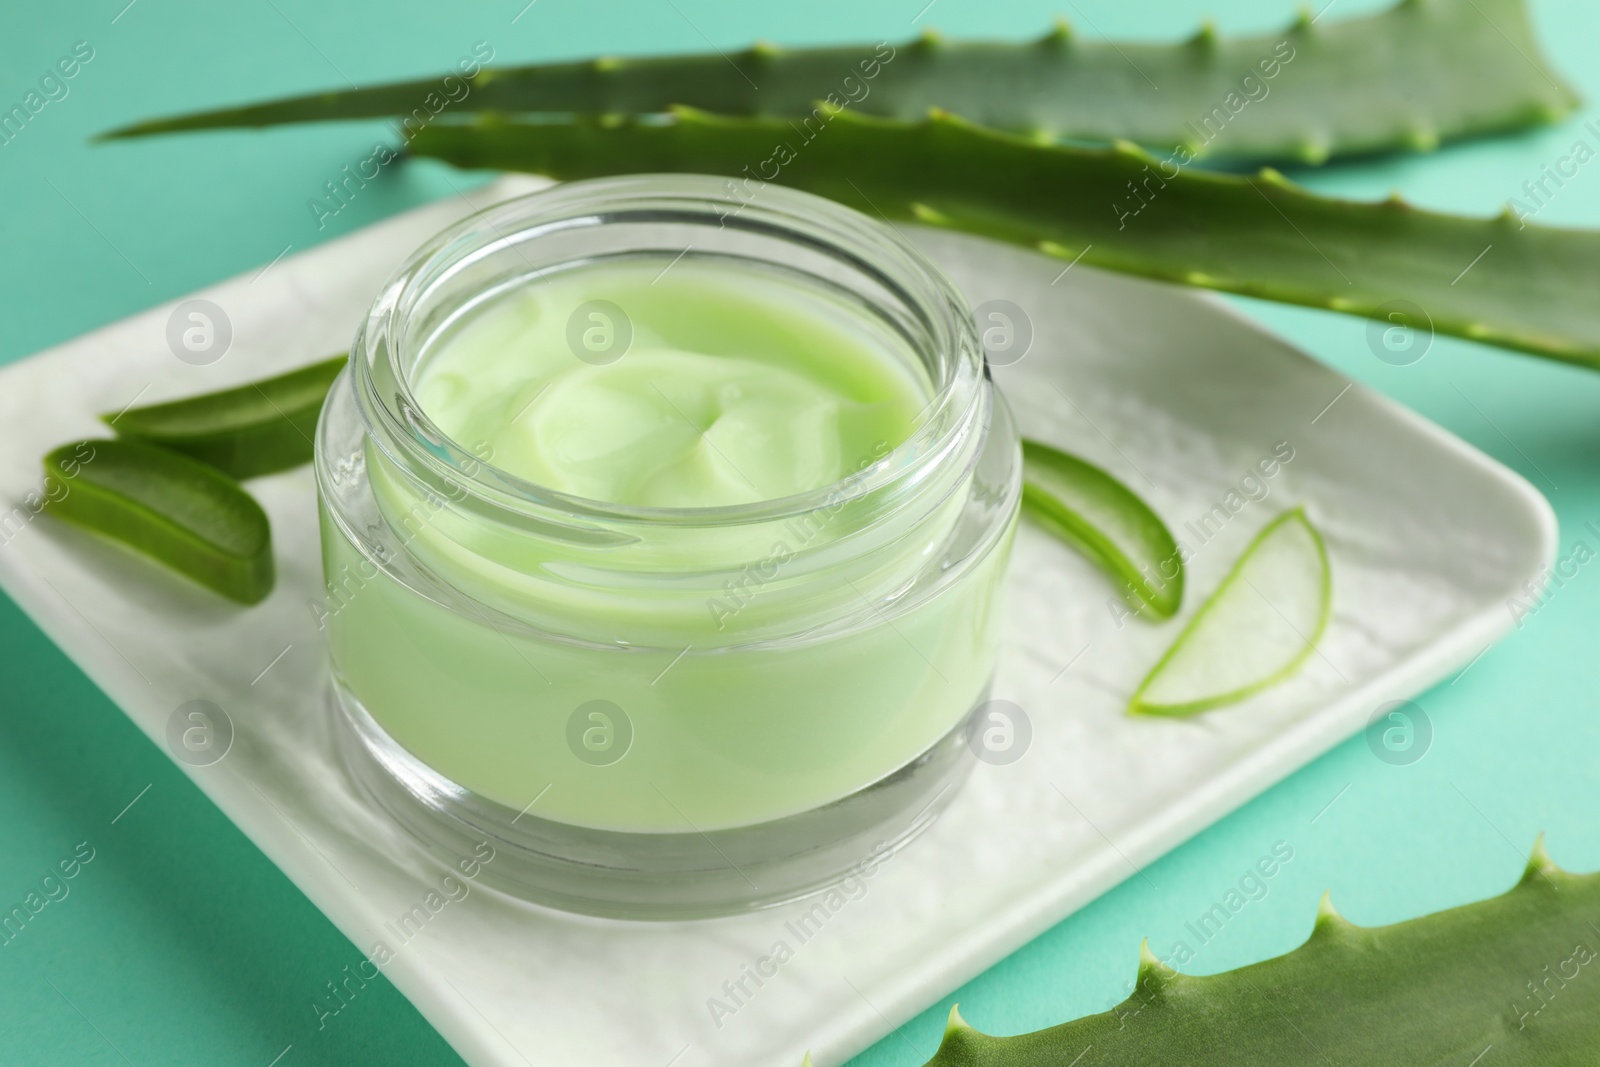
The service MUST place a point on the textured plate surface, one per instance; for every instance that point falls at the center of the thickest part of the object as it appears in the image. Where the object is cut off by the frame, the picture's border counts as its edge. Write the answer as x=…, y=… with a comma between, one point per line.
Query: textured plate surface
x=1169, y=390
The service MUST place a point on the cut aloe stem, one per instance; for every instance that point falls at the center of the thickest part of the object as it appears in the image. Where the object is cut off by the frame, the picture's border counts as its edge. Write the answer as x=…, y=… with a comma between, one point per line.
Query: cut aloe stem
x=1423, y=72
x=1106, y=521
x=1260, y=625
x=1492, y=280
x=254, y=429
x=176, y=510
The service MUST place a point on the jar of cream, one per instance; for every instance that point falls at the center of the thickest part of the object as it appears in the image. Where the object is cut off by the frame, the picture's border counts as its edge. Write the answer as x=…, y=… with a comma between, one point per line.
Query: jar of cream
x=664, y=532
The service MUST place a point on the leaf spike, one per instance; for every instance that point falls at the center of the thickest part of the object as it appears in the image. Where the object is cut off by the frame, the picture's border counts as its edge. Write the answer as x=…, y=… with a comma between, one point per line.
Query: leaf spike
x=1314, y=152
x=1128, y=149
x=1396, y=201
x=1422, y=138
x=1051, y=248
x=684, y=115
x=1274, y=177
x=960, y=1041
x=844, y=114
x=1153, y=974
x=1343, y=303
x=1206, y=36
x=608, y=64
x=938, y=118
x=1303, y=19
x=1541, y=855
x=1328, y=917
x=764, y=50
x=928, y=40
x=1540, y=865
x=805, y=1061
x=1060, y=33
x=931, y=216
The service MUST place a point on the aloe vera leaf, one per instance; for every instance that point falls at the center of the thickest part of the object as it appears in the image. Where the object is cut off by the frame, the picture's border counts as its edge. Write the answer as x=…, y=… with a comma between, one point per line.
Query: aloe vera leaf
x=1508, y=979
x=176, y=510
x=1106, y=521
x=1258, y=235
x=254, y=429
x=1260, y=625
x=1420, y=73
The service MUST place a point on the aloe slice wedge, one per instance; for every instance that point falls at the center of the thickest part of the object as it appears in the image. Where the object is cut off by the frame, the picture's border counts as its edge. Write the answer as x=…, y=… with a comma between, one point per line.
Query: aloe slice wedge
x=1260, y=625
x=1106, y=521
x=253, y=429
x=176, y=510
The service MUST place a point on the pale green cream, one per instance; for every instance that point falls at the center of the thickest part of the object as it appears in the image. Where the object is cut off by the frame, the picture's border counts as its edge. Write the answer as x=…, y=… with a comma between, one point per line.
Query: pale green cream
x=757, y=666
x=733, y=388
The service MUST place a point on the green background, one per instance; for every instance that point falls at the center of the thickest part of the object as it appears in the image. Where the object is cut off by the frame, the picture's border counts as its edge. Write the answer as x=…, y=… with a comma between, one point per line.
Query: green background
x=181, y=943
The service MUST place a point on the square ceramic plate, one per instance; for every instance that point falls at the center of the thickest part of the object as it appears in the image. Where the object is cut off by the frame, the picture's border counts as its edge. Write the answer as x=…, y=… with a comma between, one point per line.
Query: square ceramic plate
x=1169, y=390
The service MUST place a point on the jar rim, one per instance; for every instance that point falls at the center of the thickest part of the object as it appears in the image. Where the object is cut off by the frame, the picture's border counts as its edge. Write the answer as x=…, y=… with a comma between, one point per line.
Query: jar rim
x=397, y=422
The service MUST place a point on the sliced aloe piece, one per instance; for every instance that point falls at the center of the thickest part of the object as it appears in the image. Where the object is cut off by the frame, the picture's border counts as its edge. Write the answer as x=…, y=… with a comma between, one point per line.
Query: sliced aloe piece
x=174, y=509
x=1260, y=625
x=254, y=429
x=1106, y=521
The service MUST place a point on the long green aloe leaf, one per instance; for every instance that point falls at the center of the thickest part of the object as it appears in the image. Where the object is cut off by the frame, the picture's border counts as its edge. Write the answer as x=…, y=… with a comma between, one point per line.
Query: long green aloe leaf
x=1496, y=280
x=178, y=511
x=1507, y=981
x=250, y=430
x=1420, y=73
x=1105, y=520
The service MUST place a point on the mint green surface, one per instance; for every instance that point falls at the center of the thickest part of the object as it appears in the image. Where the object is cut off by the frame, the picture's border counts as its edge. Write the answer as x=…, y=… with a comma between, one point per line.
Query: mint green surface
x=180, y=943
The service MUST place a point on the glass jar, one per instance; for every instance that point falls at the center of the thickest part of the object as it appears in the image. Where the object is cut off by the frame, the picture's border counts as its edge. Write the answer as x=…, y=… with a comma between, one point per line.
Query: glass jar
x=663, y=712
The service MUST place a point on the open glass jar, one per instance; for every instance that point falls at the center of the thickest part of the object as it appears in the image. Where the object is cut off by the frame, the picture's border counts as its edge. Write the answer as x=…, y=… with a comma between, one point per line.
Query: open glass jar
x=652, y=711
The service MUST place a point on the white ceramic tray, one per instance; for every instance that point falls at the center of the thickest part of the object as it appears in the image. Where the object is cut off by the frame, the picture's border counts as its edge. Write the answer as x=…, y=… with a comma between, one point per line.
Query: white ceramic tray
x=1168, y=389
